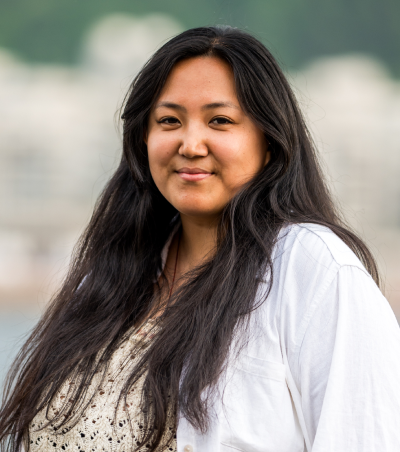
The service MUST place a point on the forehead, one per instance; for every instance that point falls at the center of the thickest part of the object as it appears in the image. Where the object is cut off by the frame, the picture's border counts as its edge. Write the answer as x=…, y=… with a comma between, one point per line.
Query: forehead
x=203, y=78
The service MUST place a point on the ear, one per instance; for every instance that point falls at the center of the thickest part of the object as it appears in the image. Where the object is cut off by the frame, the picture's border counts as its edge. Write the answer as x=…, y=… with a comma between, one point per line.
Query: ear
x=145, y=136
x=267, y=153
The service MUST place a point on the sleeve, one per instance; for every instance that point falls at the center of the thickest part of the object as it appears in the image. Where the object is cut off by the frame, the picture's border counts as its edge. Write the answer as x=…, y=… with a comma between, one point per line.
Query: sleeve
x=348, y=368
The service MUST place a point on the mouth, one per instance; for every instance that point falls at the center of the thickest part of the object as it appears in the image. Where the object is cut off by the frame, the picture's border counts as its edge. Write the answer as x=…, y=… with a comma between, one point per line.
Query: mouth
x=193, y=174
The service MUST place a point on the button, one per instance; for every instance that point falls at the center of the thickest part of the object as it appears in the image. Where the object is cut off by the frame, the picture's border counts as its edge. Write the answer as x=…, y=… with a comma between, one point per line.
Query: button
x=188, y=448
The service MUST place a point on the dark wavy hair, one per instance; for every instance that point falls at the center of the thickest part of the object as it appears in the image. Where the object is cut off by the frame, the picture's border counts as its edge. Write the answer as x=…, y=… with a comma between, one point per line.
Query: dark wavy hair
x=110, y=285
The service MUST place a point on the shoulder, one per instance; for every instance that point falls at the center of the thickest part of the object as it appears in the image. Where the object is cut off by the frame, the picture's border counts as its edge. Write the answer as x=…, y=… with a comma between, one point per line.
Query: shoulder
x=306, y=263
x=313, y=245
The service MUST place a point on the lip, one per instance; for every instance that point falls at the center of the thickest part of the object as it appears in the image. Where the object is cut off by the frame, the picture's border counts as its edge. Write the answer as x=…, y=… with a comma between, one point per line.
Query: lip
x=193, y=174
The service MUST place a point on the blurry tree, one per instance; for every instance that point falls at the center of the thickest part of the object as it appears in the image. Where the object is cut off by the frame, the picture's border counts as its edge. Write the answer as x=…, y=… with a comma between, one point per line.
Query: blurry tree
x=295, y=30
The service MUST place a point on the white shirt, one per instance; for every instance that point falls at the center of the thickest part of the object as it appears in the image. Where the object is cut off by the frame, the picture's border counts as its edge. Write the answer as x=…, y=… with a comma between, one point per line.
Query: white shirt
x=321, y=370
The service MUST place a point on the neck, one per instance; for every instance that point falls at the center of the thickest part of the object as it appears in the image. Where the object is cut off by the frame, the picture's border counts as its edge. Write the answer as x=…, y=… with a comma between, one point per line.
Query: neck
x=198, y=241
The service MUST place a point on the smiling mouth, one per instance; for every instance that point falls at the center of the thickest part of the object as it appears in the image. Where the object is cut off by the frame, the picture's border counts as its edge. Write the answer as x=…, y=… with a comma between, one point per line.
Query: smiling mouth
x=193, y=174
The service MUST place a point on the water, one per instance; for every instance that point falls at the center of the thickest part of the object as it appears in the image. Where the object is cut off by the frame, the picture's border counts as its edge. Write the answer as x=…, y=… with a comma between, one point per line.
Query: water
x=14, y=329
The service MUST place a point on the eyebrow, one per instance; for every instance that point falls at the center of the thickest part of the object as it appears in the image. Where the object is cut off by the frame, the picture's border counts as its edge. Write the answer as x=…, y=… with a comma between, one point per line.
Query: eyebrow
x=204, y=107
x=170, y=105
x=219, y=105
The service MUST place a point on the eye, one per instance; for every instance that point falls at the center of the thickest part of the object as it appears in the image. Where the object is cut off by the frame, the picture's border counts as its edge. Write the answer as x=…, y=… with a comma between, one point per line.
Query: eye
x=169, y=120
x=221, y=121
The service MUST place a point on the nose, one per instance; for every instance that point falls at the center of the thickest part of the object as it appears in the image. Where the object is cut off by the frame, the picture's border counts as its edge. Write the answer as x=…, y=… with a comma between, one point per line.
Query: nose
x=193, y=143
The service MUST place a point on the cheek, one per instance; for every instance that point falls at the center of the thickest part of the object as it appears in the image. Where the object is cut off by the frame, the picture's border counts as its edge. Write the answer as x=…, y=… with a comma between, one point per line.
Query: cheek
x=160, y=152
x=241, y=160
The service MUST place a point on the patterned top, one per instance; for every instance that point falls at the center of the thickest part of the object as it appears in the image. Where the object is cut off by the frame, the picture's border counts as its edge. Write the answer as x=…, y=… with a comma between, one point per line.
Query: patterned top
x=97, y=428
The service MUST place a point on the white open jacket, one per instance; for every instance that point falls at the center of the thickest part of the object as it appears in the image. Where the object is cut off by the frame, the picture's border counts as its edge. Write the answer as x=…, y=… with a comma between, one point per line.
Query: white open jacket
x=321, y=371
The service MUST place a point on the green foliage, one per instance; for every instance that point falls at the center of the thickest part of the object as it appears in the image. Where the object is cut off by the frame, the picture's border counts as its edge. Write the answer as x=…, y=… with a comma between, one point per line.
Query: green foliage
x=295, y=30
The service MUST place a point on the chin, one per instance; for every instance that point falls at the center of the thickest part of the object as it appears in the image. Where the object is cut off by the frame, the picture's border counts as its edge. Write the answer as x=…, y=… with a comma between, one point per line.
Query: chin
x=198, y=212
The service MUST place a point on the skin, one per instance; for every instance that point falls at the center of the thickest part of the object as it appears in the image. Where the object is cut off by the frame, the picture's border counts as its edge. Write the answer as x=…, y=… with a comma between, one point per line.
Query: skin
x=197, y=124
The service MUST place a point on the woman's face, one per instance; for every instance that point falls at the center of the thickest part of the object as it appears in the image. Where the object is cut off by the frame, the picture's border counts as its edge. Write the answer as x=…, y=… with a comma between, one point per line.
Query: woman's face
x=202, y=147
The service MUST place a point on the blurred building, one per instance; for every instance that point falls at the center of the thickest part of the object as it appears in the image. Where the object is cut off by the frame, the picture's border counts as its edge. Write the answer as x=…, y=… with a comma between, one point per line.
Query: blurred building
x=59, y=143
x=353, y=108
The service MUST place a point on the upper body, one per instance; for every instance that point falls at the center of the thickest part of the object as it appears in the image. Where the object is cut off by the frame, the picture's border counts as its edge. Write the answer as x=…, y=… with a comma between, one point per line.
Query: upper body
x=267, y=333
x=311, y=367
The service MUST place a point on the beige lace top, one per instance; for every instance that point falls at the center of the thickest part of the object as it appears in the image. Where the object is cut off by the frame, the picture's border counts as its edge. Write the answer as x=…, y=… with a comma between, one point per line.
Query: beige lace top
x=97, y=429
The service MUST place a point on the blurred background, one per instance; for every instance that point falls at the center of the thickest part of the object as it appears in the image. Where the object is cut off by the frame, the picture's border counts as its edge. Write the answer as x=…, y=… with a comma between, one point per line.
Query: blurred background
x=65, y=67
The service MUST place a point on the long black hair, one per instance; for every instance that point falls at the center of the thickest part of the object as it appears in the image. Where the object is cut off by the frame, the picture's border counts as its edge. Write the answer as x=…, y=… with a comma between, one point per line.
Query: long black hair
x=110, y=284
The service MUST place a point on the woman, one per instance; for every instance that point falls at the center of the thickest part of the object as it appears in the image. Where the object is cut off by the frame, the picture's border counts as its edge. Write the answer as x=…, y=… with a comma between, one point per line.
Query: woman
x=215, y=301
